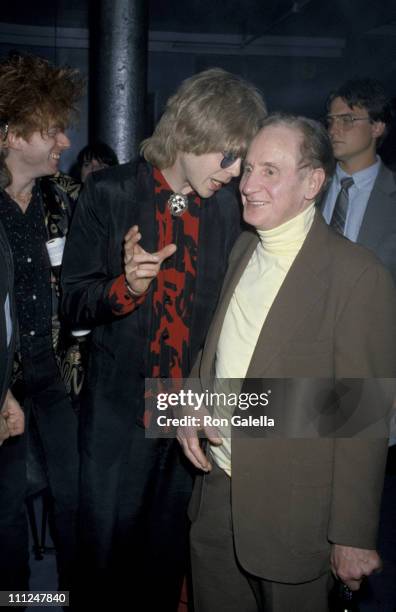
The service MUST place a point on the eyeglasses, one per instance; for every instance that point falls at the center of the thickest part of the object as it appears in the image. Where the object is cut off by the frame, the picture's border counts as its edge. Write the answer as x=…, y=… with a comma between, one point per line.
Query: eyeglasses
x=346, y=121
x=229, y=159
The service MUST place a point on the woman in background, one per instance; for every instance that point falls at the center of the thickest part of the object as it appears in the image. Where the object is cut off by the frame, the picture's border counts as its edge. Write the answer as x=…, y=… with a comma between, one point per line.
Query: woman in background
x=95, y=157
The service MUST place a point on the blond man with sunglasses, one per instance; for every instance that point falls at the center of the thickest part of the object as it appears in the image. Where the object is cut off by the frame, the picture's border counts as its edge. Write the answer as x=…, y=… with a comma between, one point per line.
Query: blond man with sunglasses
x=143, y=270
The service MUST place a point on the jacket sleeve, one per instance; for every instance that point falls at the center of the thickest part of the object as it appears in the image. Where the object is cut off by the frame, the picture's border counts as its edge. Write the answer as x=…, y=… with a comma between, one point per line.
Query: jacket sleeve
x=365, y=352
x=89, y=297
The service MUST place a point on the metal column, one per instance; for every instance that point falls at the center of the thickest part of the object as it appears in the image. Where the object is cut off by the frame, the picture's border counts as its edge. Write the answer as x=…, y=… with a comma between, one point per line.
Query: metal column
x=118, y=73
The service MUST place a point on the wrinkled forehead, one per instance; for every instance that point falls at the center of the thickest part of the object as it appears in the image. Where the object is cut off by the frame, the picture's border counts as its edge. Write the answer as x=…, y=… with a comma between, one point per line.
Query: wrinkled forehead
x=276, y=142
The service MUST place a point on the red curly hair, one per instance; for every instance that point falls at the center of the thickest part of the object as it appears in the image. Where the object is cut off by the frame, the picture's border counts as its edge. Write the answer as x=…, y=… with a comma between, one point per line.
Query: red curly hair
x=34, y=94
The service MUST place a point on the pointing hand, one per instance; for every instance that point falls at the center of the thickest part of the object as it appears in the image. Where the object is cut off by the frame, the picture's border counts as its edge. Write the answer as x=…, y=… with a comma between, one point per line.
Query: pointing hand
x=140, y=266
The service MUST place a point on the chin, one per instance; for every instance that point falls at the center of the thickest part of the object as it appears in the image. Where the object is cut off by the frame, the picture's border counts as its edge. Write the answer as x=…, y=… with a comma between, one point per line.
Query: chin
x=249, y=219
x=205, y=193
x=337, y=149
x=255, y=221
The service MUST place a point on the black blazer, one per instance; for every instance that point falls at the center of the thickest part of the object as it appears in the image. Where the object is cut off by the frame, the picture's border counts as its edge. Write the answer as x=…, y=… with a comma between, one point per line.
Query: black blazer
x=6, y=288
x=111, y=202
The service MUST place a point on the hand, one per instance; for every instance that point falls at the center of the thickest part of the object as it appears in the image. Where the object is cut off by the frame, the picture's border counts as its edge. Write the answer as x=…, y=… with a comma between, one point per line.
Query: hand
x=4, y=433
x=141, y=267
x=189, y=441
x=351, y=564
x=13, y=415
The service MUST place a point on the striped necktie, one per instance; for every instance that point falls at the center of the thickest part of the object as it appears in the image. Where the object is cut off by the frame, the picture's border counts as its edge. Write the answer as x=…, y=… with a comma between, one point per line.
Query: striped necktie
x=341, y=205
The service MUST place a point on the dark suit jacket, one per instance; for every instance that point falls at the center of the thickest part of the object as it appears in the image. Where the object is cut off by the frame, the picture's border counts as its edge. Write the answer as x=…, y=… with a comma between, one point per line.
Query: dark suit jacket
x=111, y=202
x=378, y=229
x=333, y=318
x=113, y=397
x=6, y=288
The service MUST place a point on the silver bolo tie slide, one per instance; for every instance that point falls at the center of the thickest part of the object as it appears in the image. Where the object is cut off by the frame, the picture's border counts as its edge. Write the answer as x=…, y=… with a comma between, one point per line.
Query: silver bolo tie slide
x=178, y=204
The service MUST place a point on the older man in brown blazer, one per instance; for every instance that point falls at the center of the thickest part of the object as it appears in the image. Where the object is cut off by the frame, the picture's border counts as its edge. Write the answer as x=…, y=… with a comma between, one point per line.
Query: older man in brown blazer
x=273, y=515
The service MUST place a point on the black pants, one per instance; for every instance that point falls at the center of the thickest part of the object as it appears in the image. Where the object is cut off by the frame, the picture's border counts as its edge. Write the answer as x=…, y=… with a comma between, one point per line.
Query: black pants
x=378, y=592
x=14, y=539
x=134, y=526
x=45, y=400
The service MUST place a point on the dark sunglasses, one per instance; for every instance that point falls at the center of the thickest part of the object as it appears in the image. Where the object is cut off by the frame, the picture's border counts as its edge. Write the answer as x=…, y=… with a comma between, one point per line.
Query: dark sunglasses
x=228, y=159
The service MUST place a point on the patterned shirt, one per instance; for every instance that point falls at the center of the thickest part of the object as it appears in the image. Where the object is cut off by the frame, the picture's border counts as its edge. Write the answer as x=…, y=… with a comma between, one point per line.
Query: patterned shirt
x=27, y=235
x=173, y=289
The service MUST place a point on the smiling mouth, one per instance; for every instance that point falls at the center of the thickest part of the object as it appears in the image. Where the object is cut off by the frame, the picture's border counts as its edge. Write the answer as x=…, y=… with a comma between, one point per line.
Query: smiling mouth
x=255, y=204
x=55, y=156
x=216, y=184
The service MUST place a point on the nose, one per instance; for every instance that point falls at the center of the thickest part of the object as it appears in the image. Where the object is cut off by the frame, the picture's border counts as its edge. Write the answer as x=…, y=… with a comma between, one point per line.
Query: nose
x=248, y=184
x=334, y=126
x=235, y=168
x=62, y=140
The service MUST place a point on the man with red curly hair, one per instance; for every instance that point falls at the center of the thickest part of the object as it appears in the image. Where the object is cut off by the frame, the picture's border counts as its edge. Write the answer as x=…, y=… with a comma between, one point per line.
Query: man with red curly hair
x=37, y=101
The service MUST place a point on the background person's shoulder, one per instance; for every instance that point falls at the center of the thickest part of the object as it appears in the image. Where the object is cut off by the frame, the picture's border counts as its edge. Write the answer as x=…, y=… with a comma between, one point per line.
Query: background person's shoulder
x=116, y=175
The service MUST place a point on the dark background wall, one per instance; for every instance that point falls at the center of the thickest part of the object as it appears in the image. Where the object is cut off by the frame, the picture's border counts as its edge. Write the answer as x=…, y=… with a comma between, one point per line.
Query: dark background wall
x=295, y=52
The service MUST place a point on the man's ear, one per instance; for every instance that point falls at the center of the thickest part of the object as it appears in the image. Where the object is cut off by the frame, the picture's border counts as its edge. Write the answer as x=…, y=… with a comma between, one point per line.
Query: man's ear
x=13, y=141
x=377, y=128
x=315, y=181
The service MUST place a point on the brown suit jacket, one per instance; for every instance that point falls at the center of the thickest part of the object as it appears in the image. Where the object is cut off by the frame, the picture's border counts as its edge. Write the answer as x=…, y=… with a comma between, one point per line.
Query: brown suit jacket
x=333, y=318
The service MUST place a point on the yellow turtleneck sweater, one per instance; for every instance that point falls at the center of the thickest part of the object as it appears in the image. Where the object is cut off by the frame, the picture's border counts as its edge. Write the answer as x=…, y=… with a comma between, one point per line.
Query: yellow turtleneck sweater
x=248, y=310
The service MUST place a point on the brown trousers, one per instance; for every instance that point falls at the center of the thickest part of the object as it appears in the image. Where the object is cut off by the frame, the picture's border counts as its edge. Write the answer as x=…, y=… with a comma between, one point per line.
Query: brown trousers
x=219, y=581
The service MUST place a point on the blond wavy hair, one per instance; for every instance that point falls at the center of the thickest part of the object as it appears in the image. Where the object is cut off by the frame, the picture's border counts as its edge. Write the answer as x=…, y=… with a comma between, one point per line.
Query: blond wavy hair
x=210, y=112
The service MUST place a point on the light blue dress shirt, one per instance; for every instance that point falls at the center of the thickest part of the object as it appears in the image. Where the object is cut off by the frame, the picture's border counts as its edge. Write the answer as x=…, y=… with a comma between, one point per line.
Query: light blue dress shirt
x=359, y=194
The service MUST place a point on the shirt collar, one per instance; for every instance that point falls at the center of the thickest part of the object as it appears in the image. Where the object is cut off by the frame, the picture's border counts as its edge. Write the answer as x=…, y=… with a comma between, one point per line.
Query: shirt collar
x=362, y=179
x=290, y=235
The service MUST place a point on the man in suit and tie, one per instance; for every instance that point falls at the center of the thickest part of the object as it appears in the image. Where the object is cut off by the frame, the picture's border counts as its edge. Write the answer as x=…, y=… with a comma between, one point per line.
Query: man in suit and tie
x=274, y=514
x=359, y=115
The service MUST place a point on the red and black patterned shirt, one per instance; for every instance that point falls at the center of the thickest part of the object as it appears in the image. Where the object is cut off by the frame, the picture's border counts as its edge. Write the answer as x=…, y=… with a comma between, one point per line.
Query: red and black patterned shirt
x=173, y=289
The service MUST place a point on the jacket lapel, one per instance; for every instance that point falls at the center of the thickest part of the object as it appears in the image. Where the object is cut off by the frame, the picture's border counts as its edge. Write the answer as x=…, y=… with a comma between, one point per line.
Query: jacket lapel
x=301, y=289
x=380, y=211
x=239, y=259
x=144, y=204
